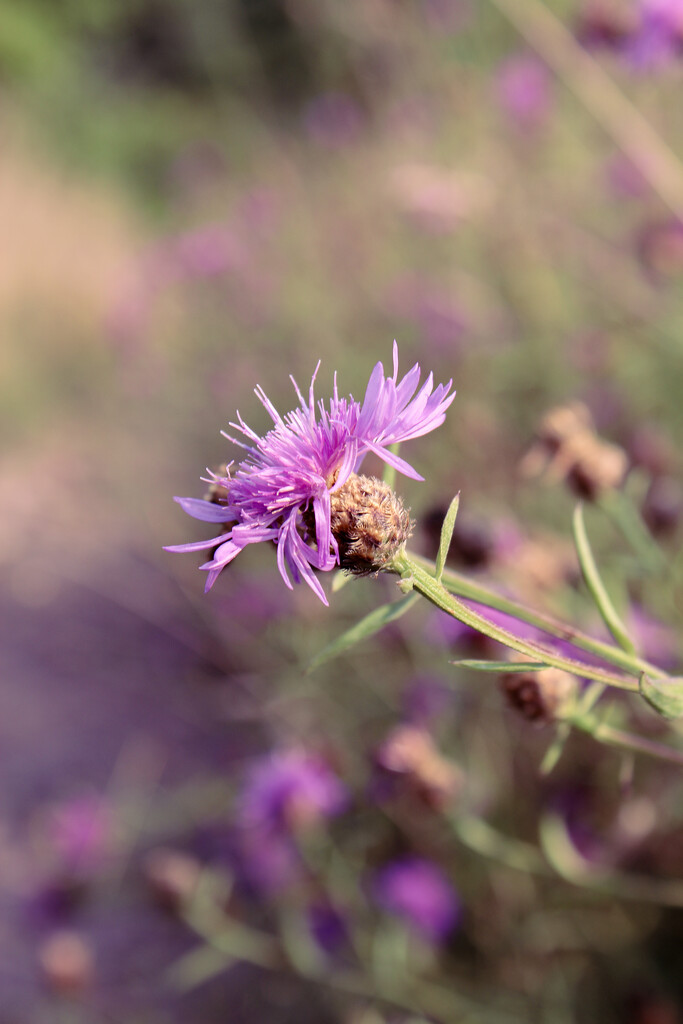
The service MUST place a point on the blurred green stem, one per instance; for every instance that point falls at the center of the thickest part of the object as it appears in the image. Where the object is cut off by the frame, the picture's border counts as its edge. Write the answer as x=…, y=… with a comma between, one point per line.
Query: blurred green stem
x=234, y=941
x=420, y=575
x=623, y=740
x=464, y=587
x=620, y=509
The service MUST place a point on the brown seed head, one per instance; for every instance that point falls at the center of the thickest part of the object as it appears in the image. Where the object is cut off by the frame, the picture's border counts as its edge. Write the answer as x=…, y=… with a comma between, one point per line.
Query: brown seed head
x=370, y=524
x=540, y=697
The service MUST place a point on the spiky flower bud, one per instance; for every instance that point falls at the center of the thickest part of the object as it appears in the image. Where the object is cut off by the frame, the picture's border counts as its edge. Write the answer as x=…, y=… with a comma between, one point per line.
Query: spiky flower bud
x=370, y=524
x=540, y=697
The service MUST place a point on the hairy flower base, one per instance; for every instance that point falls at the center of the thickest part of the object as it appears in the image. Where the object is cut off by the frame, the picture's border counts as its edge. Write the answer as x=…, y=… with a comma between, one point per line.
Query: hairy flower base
x=369, y=523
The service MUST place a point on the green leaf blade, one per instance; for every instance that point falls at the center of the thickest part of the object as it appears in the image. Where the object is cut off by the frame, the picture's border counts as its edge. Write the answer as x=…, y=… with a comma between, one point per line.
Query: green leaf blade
x=446, y=536
x=499, y=666
x=367, y=627
x=597, y=589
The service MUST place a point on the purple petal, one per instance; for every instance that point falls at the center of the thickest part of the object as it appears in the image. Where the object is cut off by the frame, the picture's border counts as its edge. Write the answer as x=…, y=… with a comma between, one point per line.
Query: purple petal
x=196, y=545
x=207, y=511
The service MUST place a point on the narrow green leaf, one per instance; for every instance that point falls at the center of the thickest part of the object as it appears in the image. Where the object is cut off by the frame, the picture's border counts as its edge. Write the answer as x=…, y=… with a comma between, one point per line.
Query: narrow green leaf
x=664, y=695
x=371, y=624
x=595, y=585
x=500, y=666
x=446, y=536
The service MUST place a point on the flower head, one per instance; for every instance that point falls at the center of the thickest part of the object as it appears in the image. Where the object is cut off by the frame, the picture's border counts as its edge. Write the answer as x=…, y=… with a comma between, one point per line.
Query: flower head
x=290, y=789
x=417, y=891
x=282, y=490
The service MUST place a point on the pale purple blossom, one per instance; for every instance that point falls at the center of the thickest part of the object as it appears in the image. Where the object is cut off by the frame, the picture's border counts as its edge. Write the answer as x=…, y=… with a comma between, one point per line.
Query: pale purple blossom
x=524, y=90
x=288, y=789
x=659, y=36
x=285, y=792
x=281, y=491
x=419, y=893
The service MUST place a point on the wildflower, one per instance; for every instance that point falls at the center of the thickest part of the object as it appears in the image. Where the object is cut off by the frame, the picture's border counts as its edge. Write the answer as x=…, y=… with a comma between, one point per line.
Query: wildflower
x=659, y=36
x=81, y=832
x=286, y=792
x=524, y=91
x=283, y=491
x=289, y=790
x=417, y=891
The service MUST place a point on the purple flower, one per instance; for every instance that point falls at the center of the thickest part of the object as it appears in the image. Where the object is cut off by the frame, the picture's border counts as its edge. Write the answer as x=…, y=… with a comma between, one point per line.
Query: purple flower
x=285, y=792
x=659, y=36
x=289, y=789
x=418, y=892
x=281, y=491
x=82, y=833
x=524, y=90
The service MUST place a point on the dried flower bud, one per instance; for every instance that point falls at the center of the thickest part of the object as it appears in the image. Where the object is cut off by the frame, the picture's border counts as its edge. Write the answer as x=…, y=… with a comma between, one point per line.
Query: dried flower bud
x=540, y=697
x=67, y=963
x=171, y=876
x=410, y=752
x=369, y=523
x=597, y=467
x=563, y=423
x=569, y=449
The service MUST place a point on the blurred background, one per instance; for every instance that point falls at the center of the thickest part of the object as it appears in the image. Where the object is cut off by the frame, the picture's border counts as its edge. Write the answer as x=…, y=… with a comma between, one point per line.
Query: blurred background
x=200, y=197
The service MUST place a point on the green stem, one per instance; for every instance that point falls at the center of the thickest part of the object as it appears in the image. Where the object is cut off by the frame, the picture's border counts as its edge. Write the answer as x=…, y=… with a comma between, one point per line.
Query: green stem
x=424, y=582
x=463, y=587
x=604, y=733
x=236, y=941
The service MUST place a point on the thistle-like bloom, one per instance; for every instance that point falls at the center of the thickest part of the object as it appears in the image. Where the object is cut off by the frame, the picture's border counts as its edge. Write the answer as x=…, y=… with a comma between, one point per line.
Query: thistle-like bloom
x=418, y=893
x=283, y=491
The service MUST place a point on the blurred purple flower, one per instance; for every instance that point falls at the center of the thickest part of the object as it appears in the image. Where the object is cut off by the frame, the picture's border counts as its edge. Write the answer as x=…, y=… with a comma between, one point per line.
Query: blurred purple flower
x=333, y=119
x=659, y=36
x=290, y=789
x=420, y=894
x=310, y=453
x=524, y=91
x=269, y=861
x=327, y=927
x=81, y=831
